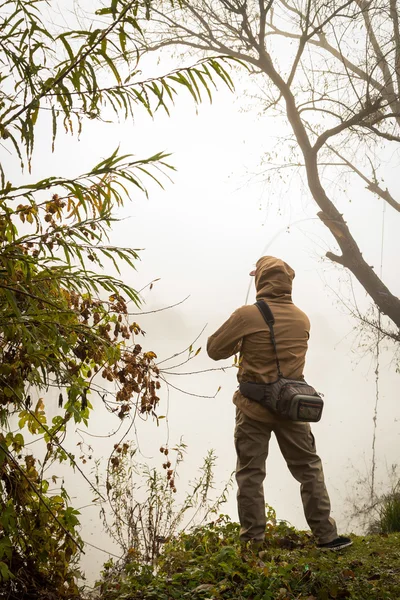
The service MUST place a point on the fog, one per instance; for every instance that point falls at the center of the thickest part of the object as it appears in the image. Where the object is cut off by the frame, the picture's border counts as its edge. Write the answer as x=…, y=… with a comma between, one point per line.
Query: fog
x=200, y=237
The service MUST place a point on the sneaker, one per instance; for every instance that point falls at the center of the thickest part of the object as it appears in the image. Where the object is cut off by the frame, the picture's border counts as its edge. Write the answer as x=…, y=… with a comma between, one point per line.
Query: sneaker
x=338, y=544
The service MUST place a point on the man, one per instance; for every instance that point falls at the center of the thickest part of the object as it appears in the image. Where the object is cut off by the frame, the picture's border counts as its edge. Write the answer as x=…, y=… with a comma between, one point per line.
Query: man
x=247, y=332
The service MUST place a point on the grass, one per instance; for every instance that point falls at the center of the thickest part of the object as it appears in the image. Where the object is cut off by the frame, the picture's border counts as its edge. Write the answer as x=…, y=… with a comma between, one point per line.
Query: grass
x=211, y=564
x=389, y=517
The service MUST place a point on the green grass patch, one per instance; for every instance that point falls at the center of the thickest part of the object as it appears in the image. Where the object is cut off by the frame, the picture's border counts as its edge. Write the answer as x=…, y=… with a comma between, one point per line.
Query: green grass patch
x=210, y=563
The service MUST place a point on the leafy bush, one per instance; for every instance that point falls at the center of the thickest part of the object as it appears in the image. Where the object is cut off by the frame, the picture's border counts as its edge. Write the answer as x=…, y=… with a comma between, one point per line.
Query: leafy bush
x=64, y=319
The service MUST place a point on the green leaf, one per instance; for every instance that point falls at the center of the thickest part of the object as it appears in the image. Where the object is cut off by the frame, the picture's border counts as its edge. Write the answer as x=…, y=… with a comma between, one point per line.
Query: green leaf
x=5, y=573
x=104, y=11
x=122, y=40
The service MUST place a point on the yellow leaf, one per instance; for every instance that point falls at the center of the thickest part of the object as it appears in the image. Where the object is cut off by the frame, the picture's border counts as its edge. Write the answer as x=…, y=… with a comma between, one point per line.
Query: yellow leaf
x=39, y=406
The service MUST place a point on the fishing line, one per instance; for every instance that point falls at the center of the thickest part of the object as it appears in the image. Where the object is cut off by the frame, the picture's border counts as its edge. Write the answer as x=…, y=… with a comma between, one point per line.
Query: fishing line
x=271, y=241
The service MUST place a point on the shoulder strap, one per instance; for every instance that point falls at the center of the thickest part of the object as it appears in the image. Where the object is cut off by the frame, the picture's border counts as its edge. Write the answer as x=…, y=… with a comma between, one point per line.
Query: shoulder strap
x=269, y=319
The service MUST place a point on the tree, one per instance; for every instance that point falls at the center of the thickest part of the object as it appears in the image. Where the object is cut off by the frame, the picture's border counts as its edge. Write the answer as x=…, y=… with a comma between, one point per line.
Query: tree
x=65, y=324
x=332, y=70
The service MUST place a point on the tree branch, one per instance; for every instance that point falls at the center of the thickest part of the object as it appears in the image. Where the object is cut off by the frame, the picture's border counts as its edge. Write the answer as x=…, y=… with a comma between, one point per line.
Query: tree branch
x=72, y=66
x=386, y=136
x=334, y=257
x=386, y=92
x=355, y=120
x=329, y=214
x=396, y=30
x=381, y=60
x=264, y=10
x=372, y=186
x=299, y=53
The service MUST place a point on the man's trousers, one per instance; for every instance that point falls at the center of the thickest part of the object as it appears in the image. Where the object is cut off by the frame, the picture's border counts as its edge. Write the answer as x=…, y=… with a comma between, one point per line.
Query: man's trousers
x=297, y=445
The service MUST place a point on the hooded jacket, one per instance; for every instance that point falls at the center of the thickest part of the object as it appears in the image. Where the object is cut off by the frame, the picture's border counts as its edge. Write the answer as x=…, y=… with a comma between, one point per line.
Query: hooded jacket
x=247, y=332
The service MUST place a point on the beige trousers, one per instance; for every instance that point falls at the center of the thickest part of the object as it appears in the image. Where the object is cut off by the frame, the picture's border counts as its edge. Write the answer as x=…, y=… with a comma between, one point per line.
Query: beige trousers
x=297, y=445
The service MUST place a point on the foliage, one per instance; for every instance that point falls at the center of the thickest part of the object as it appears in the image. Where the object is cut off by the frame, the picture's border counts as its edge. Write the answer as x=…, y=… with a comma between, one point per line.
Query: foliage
x=39, y=541
x=64, y=313
x=210, y=563
x=386, y=511
x=389, y=513
x=67, y=71
x=143, y=512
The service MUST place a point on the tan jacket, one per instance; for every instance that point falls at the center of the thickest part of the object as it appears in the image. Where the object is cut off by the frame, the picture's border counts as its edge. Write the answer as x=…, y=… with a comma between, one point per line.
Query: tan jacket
x=246, y=332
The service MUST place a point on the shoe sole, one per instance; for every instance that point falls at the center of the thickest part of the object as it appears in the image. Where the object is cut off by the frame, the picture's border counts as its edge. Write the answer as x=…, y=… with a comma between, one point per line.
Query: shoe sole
x=334, y=548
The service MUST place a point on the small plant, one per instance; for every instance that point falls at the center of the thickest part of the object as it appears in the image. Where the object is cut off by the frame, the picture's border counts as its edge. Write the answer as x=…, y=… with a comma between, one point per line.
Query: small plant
x=389, y=512
x=376, y=513
x=144, y=515
x=144, y=511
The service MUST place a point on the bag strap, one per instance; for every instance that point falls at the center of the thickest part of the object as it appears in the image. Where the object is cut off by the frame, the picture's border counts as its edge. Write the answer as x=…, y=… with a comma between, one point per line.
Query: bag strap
x=269, y=319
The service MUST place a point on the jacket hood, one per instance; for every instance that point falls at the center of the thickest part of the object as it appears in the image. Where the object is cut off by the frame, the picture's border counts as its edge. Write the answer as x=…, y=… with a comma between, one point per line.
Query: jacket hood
x=273, y=279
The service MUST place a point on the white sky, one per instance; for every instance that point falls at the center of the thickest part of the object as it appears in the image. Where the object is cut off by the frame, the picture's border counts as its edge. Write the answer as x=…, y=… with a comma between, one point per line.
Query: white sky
x=201, y=236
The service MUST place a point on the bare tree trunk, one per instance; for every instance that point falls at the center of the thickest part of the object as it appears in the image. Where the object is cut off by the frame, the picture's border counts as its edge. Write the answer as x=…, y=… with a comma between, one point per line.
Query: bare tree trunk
x=351, y=257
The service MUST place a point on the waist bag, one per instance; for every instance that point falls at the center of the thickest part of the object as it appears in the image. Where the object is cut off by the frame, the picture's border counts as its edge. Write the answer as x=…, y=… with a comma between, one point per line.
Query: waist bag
x=293, y=399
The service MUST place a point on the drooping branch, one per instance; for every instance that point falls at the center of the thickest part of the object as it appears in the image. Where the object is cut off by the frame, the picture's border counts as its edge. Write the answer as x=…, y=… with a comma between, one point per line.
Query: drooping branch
x=71, y=66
